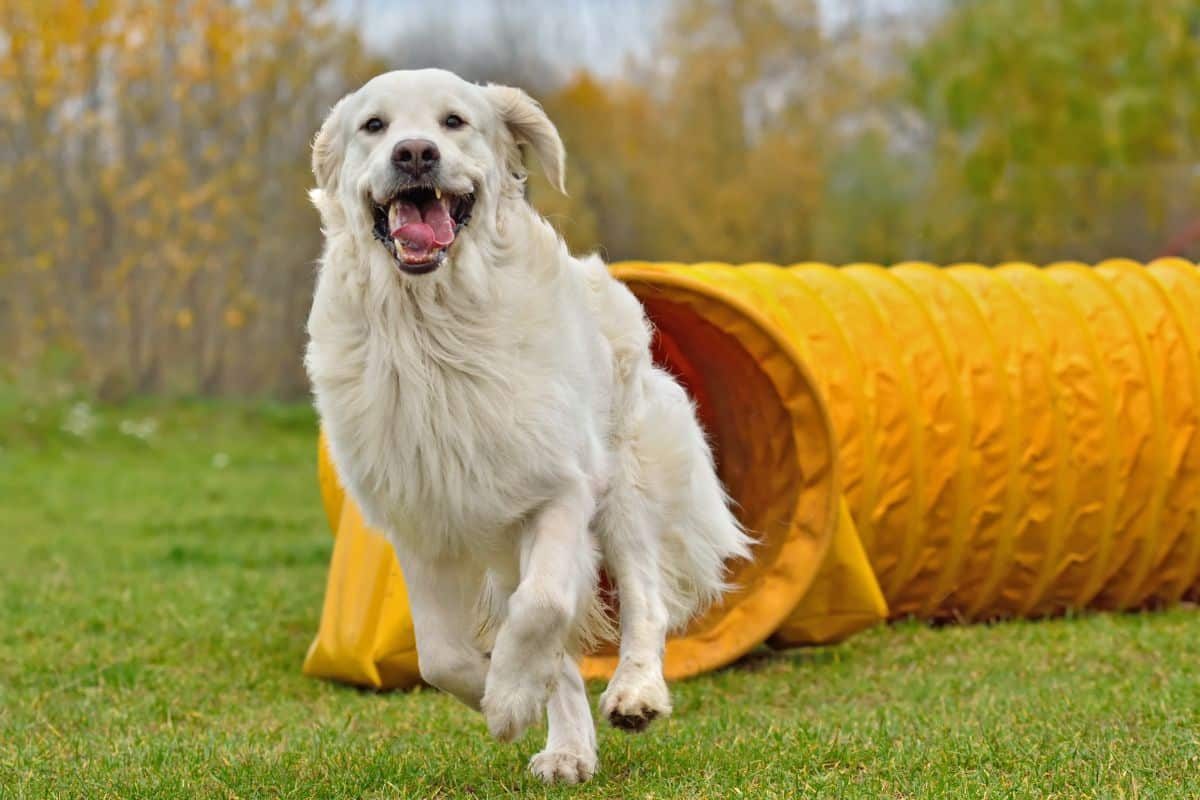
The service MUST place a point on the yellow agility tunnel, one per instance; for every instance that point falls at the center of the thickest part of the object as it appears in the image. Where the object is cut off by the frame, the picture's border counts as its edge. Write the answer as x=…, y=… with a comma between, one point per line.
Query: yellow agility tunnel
x=946, y=443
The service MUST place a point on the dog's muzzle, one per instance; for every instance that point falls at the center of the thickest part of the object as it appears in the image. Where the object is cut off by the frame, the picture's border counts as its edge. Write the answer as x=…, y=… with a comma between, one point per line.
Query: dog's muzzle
x=418, y=225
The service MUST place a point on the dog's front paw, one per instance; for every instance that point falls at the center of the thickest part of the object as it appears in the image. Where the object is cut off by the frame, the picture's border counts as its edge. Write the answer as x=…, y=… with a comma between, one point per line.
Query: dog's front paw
x=563, y=766
x=635, y=698
x=509, y=711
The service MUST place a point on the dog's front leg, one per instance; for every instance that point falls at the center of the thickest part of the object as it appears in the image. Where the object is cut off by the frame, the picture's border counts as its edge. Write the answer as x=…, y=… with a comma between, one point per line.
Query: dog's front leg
x=442, y=594
x=557, y=578
x=570, y=752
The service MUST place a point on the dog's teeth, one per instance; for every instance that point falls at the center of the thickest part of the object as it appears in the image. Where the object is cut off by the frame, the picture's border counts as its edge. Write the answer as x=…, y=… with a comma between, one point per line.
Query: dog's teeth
x=437, y=193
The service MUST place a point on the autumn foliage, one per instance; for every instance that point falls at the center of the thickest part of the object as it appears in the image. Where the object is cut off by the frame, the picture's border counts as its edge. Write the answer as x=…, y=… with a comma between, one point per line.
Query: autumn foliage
x=155, y=233
x=154, y=222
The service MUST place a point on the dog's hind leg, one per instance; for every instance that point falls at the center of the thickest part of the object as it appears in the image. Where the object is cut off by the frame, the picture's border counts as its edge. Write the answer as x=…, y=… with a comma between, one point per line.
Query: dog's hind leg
x=552, y=598
x=570, y=754
x=442, y=594
x=637, y=694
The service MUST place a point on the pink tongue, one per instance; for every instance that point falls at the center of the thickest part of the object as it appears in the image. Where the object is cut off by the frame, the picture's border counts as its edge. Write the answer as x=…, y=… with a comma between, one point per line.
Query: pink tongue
x=421, y=230
x=415, y=235
x=438, y=218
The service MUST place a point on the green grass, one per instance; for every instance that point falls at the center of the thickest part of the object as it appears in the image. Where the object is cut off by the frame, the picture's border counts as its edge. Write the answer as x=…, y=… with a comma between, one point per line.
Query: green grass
x=158, y=590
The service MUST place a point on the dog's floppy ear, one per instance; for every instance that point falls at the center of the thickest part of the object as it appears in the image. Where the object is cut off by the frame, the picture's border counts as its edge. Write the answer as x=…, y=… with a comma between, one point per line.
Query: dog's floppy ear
x=327, y=149
x=529, y=125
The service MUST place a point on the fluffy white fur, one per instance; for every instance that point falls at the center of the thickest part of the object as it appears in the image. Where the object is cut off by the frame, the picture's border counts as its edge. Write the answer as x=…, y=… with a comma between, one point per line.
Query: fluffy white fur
x=501, y=420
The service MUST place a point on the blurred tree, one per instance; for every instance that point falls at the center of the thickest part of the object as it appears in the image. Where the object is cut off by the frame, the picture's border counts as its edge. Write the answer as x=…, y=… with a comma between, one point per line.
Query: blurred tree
x=722, y=154
x=1058, y=129
x=152, y=180
x=607, y=129
x=732, y=169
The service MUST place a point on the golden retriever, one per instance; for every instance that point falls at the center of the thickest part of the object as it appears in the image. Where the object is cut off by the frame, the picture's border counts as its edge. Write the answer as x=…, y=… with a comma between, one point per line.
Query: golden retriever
x=491, y=405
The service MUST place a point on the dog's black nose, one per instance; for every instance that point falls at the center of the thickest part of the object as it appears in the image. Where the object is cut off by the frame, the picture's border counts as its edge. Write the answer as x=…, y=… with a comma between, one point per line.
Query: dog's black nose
x=415, y=156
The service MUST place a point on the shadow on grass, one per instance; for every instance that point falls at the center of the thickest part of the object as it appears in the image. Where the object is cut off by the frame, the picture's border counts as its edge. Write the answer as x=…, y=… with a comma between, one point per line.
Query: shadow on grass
x=765, y=657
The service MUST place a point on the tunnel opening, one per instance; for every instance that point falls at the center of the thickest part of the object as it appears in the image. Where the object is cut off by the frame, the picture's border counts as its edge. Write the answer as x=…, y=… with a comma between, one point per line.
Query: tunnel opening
x=749, y=393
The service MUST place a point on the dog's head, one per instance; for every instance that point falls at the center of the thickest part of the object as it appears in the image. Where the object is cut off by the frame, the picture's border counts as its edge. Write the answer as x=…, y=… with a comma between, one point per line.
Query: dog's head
x=421, y=160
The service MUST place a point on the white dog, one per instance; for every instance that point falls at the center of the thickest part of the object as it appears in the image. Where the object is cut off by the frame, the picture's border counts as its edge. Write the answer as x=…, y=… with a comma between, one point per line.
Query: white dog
x=491, y=405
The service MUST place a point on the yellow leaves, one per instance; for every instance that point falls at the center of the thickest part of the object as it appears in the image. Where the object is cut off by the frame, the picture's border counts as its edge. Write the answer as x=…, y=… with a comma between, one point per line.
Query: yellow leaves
x=119, y=274
x=234, y=318
x=177, y=258
x=43, y=97
x=194, y=199
x=223, y=205
x=137, y=191
x=207, y=233
x=184, y=319
x=243, y=170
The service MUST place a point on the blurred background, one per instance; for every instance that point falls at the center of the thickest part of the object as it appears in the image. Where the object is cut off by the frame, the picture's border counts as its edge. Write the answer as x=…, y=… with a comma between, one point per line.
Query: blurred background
x=155, y=235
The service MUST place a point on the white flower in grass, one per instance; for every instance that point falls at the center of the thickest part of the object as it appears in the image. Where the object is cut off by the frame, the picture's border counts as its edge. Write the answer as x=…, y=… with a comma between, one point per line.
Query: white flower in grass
x=80, y=421
x=139, y=428
x=220, y=460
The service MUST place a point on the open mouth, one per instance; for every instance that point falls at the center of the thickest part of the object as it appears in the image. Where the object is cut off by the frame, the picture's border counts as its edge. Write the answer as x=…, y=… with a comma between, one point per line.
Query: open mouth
x=418, y=225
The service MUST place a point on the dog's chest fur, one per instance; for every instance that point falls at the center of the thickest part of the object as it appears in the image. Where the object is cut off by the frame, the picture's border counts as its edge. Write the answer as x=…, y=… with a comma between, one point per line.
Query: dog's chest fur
x=450, y=422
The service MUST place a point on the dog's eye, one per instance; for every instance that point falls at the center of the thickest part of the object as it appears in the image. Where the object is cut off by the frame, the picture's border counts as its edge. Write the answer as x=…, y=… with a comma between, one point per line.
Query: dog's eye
x=373, y=125
x=454, y=121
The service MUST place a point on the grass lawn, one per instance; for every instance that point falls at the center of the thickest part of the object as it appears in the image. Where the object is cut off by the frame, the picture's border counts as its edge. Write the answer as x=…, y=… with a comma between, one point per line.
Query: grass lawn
x=161, y=571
